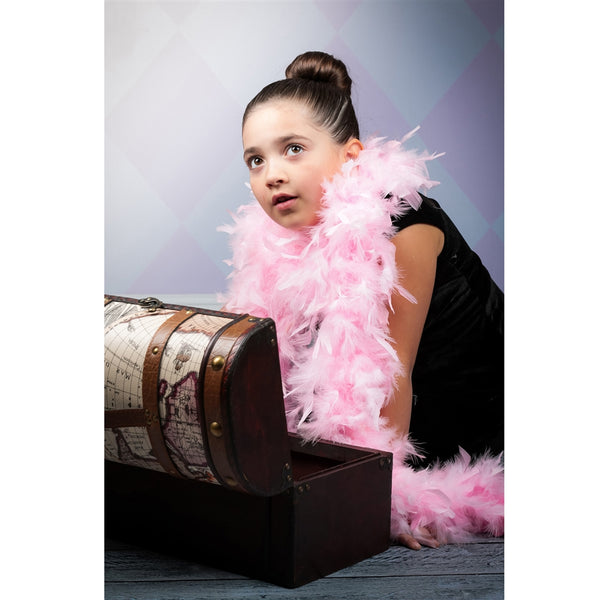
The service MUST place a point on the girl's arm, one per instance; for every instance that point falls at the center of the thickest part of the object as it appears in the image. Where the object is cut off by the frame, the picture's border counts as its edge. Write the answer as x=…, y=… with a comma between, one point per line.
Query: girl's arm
x=417, y=249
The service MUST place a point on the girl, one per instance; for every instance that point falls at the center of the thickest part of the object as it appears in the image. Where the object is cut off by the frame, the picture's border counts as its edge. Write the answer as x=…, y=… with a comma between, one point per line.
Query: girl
x=389, y=327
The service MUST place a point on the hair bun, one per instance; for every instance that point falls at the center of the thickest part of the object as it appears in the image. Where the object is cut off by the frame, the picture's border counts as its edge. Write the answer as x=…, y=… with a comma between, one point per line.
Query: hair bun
x=319, y=66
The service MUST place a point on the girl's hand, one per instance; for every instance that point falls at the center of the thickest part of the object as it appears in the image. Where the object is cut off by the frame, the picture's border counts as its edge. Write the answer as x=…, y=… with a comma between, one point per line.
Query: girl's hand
x=422, y=535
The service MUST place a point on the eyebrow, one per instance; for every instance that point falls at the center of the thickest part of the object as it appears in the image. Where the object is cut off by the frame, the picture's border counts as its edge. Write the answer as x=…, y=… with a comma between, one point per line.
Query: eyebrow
x=284, y=139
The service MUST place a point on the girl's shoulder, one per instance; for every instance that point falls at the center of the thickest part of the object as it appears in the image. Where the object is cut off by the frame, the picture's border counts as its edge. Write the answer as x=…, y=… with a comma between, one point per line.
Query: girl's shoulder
x=429, y=213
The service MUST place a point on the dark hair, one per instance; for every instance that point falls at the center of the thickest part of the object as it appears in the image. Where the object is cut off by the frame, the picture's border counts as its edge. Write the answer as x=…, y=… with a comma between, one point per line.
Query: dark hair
x=322, y=83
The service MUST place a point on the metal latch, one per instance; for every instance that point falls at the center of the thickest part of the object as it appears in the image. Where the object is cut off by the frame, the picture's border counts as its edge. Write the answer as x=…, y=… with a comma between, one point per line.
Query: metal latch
x=151, y=303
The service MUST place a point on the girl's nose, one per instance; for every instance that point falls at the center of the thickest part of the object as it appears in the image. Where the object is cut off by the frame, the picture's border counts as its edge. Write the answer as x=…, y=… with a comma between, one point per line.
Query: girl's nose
x=276, y=174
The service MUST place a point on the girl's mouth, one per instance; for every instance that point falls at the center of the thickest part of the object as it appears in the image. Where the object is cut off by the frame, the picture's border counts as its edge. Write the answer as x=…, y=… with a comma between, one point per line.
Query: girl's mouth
x=283, y=201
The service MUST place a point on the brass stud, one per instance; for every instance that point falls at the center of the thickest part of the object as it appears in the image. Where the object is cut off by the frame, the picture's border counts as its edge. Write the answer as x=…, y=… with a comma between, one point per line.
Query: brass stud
x=216, y=429
x=155, y=350
x=385, y=462
x=217, y=362
x=230, y=481
x=151, y=417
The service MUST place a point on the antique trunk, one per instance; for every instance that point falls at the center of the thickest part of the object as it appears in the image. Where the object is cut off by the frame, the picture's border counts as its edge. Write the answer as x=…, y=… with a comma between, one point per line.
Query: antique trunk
x=199, y=461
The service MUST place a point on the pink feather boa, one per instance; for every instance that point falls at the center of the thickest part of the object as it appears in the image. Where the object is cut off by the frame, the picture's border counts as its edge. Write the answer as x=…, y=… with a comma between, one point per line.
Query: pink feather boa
x=328, y=289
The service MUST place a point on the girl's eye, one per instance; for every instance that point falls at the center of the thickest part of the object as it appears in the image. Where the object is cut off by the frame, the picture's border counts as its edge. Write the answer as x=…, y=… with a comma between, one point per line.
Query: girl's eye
x=254, y=162
x=294, y=149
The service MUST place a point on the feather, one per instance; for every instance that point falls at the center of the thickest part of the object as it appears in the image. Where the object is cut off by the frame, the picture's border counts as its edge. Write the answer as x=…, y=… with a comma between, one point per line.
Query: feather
x=329, y=292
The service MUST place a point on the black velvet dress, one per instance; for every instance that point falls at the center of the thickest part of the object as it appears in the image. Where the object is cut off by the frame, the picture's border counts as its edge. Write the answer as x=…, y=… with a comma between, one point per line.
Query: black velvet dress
x=458, y=377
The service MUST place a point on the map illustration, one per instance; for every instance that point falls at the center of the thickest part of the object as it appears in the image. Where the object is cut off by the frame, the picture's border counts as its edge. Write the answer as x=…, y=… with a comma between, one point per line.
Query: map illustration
x=128, y=330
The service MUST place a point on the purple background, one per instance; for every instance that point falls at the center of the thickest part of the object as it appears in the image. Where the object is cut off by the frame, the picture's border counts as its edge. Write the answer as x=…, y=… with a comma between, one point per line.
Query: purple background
x=179, y=74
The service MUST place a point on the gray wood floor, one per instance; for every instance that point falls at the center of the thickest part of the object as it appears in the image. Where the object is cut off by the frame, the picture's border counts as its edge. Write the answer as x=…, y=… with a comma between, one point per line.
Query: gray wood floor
x=474, y=570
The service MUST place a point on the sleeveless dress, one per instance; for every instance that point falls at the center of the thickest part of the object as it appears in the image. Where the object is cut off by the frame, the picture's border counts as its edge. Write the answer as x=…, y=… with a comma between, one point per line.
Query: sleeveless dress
x=458, y=376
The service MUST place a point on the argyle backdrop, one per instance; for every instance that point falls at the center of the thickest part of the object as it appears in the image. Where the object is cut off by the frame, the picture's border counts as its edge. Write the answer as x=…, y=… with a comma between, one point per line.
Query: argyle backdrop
x=180, y=73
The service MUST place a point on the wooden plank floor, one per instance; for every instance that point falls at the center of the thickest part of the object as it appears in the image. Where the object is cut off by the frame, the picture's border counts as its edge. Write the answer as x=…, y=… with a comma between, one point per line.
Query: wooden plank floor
x=474, y=570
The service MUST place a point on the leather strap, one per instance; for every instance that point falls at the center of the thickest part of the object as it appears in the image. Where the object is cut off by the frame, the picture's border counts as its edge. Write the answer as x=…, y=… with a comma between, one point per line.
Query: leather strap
x=217, y=366
x=151, y=377
x=128, y=417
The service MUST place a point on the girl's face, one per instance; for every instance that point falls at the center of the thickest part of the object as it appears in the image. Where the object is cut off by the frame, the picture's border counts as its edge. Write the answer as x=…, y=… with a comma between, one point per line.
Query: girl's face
x=289, y=157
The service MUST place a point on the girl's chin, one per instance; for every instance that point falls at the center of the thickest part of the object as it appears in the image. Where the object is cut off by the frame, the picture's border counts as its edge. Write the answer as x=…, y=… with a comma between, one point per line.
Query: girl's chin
x=294, y=221
x=297, y=224
x=294, y=217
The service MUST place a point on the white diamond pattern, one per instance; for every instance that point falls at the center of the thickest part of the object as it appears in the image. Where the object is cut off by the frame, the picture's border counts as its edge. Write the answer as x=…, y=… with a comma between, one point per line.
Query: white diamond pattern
x=179, y=74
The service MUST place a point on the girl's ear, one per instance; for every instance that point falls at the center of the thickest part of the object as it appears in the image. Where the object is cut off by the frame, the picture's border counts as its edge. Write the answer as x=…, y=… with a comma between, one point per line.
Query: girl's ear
x=352, y=149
